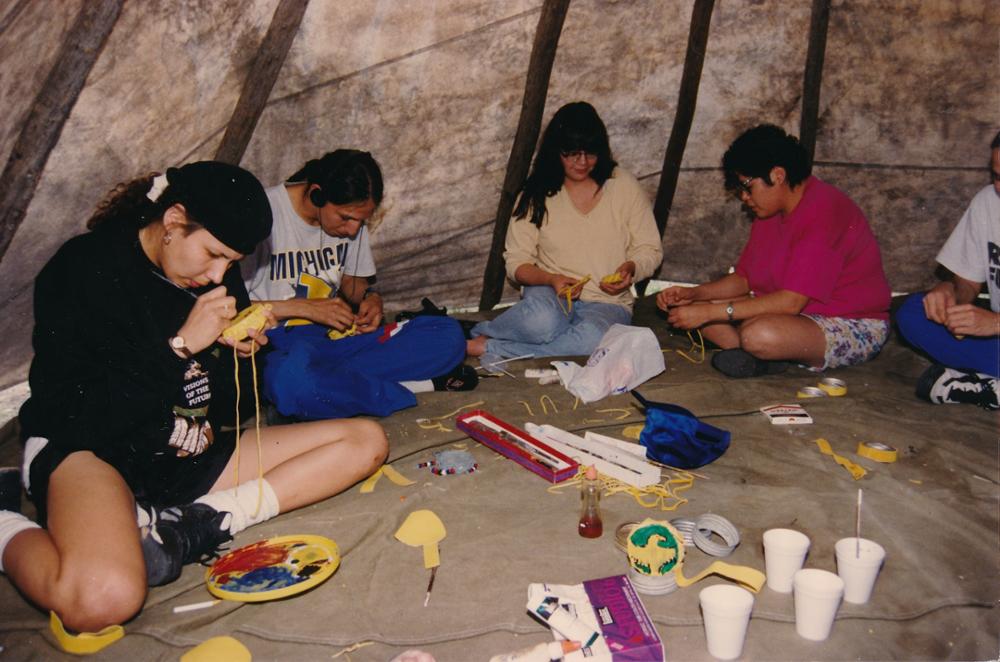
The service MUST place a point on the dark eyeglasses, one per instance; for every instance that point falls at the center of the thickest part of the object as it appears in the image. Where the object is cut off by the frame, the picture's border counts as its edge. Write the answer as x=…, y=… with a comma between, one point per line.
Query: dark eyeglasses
x=743, y=187
x=577, y=154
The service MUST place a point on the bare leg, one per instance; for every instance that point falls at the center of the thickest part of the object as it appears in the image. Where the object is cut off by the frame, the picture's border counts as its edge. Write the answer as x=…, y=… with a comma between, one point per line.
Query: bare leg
x=723, y=334
x=87, y=566
x=784, y=338
x=309, y=462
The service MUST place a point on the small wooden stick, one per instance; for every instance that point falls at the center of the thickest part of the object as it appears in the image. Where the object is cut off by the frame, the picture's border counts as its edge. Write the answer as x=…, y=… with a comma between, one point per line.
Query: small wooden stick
x=857, y=529
x=430, y=585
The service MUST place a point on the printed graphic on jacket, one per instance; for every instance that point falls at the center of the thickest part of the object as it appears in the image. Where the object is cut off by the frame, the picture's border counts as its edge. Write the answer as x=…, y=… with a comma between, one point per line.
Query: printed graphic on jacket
x=192, y=433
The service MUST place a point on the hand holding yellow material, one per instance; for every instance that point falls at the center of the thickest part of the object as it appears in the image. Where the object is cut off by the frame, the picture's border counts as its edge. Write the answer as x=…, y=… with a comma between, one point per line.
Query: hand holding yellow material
x=568, y=293
x=611, y=279
x=337, y=335
x=253, y=317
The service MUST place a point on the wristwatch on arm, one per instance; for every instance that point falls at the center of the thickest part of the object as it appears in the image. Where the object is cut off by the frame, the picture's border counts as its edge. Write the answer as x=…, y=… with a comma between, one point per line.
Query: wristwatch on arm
x=180, y=347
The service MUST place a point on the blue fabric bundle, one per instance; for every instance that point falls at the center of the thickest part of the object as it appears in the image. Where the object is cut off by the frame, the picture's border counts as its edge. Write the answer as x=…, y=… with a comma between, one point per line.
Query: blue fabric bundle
x=674, y=436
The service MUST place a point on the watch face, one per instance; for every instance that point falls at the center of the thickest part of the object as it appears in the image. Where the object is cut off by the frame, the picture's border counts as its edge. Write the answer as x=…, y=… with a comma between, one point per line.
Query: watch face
x=177, y=342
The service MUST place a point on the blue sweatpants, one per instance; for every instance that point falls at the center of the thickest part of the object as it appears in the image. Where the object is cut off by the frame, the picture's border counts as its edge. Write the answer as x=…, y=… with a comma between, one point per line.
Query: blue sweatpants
x=978, y=354
x=308, y=376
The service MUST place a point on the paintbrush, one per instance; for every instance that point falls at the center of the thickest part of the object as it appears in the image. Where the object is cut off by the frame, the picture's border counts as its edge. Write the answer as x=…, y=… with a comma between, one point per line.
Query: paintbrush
x=430, y=585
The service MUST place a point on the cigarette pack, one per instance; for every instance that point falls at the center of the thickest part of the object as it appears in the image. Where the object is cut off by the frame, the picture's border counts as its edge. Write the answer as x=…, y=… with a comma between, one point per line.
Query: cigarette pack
x=611, y=606
x=516, y=444
x=787, y=414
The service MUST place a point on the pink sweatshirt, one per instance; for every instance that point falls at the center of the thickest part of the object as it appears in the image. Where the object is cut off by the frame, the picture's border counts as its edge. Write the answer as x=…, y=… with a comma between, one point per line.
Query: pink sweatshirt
x=825, y=250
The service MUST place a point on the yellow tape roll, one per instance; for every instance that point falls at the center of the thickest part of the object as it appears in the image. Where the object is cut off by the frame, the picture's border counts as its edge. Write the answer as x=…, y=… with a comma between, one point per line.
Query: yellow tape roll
x=810, y=392
x=833, y=387
x=879, y=452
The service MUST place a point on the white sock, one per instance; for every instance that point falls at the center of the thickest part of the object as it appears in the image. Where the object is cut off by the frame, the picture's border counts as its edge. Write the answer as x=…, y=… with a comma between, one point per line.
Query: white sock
x=242, y=502
x=421, y=386
x=11, y=524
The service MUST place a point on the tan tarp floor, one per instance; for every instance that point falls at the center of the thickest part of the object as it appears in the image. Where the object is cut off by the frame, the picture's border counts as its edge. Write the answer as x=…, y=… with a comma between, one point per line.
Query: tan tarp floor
x=935, y=511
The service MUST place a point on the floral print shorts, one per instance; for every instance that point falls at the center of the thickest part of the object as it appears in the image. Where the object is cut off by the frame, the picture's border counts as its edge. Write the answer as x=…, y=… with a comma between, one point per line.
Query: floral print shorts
x=851, y=341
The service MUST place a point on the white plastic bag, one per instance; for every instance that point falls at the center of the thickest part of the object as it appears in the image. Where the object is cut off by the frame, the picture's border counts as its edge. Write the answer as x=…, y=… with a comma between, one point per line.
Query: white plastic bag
x=626, y=357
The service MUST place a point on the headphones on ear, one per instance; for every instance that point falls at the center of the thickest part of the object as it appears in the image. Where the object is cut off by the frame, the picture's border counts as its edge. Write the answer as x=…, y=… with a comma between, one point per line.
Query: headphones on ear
x=317, y=197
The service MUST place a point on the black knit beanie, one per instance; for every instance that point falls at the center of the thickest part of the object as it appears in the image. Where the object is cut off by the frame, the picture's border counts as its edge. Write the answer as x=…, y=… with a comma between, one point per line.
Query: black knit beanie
x=226, y=199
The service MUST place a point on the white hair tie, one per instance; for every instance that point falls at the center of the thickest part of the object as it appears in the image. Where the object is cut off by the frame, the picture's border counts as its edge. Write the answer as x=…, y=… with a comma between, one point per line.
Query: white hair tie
x=156, y=190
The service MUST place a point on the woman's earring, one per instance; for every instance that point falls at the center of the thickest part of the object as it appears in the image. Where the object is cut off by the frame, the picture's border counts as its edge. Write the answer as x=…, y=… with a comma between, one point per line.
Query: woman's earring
x=166, y=238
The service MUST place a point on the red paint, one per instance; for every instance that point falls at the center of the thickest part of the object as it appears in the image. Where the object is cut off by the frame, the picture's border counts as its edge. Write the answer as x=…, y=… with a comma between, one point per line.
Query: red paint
x=591, y=526
x=257, y=555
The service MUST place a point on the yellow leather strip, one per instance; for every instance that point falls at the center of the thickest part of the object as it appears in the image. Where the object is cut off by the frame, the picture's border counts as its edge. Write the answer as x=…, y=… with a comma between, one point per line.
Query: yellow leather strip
x=84, y=643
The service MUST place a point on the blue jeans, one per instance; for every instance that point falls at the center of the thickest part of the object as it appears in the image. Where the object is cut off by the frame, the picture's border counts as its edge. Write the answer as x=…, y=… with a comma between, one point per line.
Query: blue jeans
x=978, y=354
x=538, y=325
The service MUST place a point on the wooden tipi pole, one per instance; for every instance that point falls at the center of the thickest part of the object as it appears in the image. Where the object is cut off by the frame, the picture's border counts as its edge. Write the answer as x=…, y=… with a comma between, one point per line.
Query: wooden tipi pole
x=260, y=79
x=687, y=101
x=813, y=76
x=543, y=53
x=48, y=113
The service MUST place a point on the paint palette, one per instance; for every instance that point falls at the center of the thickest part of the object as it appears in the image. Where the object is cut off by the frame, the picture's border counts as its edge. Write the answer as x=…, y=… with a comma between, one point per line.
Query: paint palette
x=273, y=569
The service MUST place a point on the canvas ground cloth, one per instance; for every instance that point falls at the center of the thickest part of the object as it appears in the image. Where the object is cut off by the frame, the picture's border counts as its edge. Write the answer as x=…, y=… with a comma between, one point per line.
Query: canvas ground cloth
x=935, y=511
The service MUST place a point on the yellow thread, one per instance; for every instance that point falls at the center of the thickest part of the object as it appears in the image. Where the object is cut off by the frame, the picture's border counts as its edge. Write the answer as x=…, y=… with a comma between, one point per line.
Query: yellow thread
x=545, y=409
x=256, y=404
x=435, y=423
x=665, y=495
x=576, y=402
x=695, y=345
x=528, y=407
x=449, y=415
x=427, y=424
x=626, y=412
x=351, y=648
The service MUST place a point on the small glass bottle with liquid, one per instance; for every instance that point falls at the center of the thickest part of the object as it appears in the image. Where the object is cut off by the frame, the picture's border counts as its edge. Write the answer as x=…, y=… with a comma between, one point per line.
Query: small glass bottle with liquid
x=590, y=502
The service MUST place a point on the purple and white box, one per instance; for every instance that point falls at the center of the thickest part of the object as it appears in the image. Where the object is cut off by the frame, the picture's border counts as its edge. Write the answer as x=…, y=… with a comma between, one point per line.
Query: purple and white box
x=611, y=606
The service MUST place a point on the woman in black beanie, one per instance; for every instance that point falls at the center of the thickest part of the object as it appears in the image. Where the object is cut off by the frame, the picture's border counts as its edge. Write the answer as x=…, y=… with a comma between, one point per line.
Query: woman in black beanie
x=127, y=458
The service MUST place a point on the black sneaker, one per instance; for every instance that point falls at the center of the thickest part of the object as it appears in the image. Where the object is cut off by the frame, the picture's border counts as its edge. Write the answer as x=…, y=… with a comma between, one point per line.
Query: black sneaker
x=942, y=385
x=738, y=364
x=10, y=489
x=180, y=535
x=461, y=378
x=427, y=307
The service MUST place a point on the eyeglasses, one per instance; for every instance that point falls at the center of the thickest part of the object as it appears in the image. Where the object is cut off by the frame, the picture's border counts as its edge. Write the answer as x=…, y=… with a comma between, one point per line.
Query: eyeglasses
x=743, y=187
x=577, y=154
